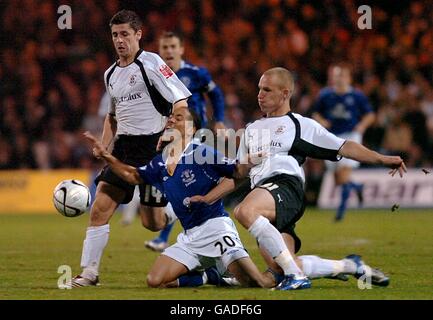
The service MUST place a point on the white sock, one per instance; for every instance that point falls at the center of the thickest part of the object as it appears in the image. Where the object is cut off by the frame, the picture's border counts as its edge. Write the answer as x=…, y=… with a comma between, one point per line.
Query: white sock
x=288, y=264
x=316, y=267
x=93, y=247
x=169, y=212
x=129, y=211
x=350, y=267
x=204, y=277
x=270, y=239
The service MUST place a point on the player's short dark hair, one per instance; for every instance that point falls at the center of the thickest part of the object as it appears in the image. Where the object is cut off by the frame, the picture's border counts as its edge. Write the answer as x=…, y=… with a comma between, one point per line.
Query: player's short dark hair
x=127, y=16
x=171, y=34
x=195, y=119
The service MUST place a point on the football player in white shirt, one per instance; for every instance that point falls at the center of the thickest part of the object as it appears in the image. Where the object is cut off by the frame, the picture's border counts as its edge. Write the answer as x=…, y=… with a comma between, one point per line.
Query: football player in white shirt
x=272, y=151
x=143, y=90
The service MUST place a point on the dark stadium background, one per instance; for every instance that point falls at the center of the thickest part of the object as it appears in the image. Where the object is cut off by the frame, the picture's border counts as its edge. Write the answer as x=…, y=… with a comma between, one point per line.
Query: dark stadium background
x=51, y=80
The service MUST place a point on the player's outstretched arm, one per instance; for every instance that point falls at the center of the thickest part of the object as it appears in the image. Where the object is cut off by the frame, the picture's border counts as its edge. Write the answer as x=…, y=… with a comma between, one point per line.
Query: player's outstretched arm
x=109, y=131
x=358, y=152
x=126, y=172
x=222, y=189
x=241, y=170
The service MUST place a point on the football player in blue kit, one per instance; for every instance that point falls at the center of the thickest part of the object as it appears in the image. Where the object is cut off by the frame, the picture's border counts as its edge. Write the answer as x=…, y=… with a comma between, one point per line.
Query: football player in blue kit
x=210, y=240
x=347, y=113
x=199, y=83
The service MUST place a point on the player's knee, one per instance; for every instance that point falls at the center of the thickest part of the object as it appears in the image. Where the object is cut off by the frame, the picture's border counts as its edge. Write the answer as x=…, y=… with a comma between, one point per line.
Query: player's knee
x=154, y=281
x=342, y=176
x=153, y=219
x=236, y=212
x=243, y=213
x=339, y=181
x=151, y=226
x=99, y=215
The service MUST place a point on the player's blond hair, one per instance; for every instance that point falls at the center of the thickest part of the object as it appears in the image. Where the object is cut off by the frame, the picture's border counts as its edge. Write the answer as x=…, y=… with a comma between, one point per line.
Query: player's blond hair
x=284, y=76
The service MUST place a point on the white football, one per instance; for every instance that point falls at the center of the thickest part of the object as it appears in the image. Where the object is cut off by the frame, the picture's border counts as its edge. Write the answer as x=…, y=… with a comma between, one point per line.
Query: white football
x=71, y=198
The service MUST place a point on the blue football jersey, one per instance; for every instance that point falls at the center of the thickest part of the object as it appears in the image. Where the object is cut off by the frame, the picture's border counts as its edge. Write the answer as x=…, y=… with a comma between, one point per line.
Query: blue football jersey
x=198, y=171
x=199, y=82
x=343, y=111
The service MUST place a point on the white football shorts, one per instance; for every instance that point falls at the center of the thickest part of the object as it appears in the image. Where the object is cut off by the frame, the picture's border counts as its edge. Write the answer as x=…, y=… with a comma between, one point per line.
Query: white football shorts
x=214, y=243
x=344, y=162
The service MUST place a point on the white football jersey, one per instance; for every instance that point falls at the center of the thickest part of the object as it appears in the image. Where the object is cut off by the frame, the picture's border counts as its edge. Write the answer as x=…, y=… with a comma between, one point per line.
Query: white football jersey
x=284, y=142
x=135, y=109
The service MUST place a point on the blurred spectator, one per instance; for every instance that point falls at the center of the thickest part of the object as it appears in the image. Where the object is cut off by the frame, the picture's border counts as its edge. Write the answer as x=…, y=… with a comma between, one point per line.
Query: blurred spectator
x=6, y=155
x=398, y=137
x=23, y=154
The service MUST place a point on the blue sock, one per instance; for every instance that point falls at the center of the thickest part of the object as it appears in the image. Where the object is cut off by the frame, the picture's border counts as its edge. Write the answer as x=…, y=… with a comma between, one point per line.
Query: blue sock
x=277, y=276
x=191, y=279
x=356, y=186
x=165, y=233
x=345, y=193
x=213, y=276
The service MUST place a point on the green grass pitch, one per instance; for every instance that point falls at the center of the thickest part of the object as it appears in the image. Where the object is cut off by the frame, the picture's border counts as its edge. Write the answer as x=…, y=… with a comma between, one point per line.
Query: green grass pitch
x=32, y=247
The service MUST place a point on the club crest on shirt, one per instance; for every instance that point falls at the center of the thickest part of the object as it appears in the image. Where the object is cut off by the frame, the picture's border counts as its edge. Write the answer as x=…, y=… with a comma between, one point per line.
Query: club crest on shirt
x=280, y=129
x=188, y=177
x=340, y=112
x=132, y=80
x=166, y=71
x=349, y=100
x=187, y=202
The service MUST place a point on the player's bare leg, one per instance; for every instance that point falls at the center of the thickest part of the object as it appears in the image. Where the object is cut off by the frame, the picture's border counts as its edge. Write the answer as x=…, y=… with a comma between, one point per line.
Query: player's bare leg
x=255, y=213
x=160, y=242
x=248, y=275
x=107, y=200
x=165, y=272
x=243, y=272
x=342, y=175
x=153, y=218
